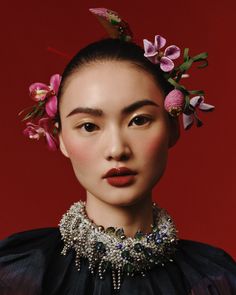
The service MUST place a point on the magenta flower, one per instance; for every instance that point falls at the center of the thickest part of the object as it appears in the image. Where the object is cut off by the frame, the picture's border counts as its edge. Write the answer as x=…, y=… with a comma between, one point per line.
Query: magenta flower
x=41, y=92
x=34, y=131
x=153, y=53
x=195, y=102
x=174, y=102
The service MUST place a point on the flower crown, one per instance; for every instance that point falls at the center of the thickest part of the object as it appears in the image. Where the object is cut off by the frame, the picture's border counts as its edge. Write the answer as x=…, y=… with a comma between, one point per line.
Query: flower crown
x=42, y=116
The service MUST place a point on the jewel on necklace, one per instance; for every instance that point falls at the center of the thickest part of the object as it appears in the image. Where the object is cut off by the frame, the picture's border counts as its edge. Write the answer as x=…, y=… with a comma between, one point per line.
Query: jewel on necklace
x=110, y=250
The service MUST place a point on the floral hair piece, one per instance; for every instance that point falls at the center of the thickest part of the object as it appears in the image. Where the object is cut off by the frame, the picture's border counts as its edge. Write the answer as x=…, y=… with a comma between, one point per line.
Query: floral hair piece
x=179, y=100
x=46, y=110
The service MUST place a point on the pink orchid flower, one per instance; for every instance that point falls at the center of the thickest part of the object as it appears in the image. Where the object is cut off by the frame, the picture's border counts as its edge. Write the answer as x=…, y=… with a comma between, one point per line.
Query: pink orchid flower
x=34, y=131
x=153, y=53
x=41, y=91
x=195, y=102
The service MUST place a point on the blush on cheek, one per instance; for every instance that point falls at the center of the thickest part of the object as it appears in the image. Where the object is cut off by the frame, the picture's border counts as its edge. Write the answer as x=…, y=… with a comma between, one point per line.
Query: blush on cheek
x=79, y=151
x=153, y=146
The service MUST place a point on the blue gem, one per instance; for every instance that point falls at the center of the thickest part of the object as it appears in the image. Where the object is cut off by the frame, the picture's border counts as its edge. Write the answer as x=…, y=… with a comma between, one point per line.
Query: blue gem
x=119, y=246
x=158, y=238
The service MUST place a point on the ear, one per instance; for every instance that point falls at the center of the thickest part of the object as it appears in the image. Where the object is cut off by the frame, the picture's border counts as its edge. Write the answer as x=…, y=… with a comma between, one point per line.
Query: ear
x=62, y=145
x=174, y=130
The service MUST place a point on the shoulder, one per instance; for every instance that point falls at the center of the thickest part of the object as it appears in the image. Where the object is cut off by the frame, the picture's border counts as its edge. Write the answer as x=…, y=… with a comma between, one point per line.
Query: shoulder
x=32, y=235
x=34, y=241
x=207, y=266
x=200, y=251
x=24, y=257
x=204, y=248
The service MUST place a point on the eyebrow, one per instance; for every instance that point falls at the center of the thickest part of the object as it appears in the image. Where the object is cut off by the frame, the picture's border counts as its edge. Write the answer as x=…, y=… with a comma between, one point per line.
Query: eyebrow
x=127, y=110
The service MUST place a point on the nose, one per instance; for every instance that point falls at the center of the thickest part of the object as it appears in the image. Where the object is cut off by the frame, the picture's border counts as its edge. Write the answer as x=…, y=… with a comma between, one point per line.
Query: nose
x=117, y=147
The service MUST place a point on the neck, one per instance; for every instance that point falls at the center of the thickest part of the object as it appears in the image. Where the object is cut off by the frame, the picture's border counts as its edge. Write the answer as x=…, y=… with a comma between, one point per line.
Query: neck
x=132, y=218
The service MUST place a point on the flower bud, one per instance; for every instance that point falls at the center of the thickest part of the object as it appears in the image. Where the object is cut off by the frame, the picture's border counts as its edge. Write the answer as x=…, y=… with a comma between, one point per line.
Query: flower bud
x=174, y=102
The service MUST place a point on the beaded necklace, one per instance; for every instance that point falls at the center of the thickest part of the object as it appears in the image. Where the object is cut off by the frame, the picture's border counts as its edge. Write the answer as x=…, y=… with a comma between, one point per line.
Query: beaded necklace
x=109, y=249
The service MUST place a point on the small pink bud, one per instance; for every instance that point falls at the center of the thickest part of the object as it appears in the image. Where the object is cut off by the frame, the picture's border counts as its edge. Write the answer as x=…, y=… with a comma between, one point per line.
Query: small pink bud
x=174, y=102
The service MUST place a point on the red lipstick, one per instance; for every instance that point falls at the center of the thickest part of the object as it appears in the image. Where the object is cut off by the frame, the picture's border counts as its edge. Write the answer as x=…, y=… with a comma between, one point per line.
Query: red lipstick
x=120, y=176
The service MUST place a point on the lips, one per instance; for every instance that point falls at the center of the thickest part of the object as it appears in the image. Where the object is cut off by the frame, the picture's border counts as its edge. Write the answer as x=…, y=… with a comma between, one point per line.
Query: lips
x=121, y=171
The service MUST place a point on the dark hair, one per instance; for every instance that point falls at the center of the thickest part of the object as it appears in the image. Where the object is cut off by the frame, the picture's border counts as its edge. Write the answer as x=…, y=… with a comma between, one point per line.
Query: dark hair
x=112, y=49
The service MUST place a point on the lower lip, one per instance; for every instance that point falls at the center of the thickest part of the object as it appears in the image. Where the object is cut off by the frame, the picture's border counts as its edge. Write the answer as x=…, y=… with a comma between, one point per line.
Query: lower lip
x=121, y=180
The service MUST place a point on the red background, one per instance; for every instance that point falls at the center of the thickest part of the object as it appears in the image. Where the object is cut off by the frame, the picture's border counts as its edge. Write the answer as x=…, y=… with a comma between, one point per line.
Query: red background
x=198, y=189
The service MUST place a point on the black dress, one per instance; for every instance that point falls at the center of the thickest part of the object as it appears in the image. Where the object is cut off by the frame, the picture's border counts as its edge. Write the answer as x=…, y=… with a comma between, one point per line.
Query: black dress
x=31, y=264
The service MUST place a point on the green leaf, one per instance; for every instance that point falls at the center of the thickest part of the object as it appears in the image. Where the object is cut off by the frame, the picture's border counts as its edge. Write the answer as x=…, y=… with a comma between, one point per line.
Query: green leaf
x=187, y=102
x=186, y=56
x=41, y=103
x=32, y=114
x=200, y=56
x=203, y=65
x=39, y=112
x=177, y=85
x=29, y=115
x=173, y=82
x=197, y=92
x=186, y=65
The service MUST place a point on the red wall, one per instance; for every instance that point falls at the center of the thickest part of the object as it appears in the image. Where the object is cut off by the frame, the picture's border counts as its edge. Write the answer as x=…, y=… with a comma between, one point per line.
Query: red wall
x=198, y=189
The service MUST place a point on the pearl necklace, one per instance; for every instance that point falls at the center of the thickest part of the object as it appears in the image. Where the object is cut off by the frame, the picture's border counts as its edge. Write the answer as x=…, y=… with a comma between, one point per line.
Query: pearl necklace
x=109, y=249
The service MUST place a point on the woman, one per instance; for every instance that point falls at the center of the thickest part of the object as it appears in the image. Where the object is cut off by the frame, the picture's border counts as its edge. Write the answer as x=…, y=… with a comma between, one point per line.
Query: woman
x=114, y=116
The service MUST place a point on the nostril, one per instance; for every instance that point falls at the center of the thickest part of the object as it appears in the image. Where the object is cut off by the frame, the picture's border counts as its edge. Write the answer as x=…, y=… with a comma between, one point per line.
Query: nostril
x=122, y=157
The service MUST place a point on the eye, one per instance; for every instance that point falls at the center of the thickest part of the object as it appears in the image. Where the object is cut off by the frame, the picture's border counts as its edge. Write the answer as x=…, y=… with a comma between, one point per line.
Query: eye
x=141, y=120
x=89, y=127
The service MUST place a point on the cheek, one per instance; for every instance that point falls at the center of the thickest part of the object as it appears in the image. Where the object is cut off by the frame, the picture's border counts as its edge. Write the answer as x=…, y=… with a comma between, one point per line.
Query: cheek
x=155, y=147
x=78, y=150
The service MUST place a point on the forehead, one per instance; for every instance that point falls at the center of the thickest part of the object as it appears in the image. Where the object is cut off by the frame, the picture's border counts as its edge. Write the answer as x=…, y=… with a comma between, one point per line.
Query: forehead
x=109, y=84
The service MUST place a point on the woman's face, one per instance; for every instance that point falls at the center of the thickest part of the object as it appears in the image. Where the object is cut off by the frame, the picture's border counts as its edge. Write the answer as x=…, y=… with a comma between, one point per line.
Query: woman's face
x=117, y=134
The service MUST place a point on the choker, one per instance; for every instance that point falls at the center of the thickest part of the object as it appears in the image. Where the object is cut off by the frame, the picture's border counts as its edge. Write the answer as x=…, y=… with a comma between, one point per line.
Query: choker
x=109, y=249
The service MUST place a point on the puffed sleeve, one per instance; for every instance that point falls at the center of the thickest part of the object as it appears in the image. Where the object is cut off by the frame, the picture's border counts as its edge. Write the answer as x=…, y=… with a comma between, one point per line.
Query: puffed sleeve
x=209, y=270
x=23, y=261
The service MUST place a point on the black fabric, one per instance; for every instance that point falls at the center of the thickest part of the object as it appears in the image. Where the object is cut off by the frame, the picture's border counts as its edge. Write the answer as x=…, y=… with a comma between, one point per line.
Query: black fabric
x=31, y=264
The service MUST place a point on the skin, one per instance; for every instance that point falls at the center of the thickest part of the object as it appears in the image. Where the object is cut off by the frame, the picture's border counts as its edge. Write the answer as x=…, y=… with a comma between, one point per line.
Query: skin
x=116, y=139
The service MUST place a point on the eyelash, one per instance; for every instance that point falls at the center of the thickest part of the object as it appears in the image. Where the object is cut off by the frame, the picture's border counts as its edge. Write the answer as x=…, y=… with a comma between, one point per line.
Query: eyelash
x=140, y=116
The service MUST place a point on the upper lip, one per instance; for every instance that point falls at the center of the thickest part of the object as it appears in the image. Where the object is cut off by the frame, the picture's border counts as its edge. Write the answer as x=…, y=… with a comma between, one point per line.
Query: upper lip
x=119, y=171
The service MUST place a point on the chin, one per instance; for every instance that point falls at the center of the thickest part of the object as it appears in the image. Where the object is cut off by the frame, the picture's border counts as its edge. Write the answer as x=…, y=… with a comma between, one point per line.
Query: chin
x=123, y=200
